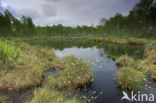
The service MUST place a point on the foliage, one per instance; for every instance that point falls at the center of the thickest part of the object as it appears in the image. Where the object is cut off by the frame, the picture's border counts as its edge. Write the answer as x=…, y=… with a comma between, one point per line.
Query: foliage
x=8, y=54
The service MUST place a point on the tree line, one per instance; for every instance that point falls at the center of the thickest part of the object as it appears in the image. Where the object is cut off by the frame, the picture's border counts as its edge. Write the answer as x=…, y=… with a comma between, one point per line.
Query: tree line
x=141, y=21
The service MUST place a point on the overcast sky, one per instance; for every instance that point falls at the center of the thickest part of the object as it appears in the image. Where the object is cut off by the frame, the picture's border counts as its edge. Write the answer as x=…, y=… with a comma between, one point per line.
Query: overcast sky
x=67, y=12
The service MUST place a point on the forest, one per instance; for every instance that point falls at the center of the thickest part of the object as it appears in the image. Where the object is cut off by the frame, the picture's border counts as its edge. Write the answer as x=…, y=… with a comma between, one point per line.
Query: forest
x=141, y=21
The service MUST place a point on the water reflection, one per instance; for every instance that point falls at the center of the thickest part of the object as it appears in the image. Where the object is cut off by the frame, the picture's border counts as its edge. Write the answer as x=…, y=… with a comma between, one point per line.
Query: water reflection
x=112, y=50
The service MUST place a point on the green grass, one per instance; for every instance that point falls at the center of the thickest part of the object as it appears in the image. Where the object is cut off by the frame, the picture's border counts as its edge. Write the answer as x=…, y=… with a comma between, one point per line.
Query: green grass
x=129, y=78
x=147, y=67
x=126, y=39
x=131, y=72
x=8, y=54
x=75, y=73
x=125, y=61
x=47, y=95
x=29, y=72
x=150, y=53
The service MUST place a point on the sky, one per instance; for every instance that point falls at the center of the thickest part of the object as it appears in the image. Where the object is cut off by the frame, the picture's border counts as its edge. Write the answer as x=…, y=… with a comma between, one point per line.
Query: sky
x=67, y=12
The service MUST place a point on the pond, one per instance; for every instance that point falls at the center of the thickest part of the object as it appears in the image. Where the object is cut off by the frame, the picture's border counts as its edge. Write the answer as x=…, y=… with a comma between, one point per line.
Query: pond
x=99, y=57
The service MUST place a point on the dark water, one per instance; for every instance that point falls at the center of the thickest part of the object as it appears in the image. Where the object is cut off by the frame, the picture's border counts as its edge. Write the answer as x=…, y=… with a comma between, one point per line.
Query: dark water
x=104, y=68
x=52, y=72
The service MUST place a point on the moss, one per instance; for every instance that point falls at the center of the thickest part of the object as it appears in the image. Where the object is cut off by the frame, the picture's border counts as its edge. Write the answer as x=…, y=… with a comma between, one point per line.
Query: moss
x=47, y=95
x=150, y=53
x=147, y=67
x=129, y=78
x=125, y=61
x=75, y=73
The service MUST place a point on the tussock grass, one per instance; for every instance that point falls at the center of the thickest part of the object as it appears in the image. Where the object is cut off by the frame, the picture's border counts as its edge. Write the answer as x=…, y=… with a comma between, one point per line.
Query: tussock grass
x=132, y=72
x=75, y=73
x=125, y=61
x=150, y=53
x=29, y=72
x=47, y=95
x=129, y=78
x=147, y=67
x=35, y=61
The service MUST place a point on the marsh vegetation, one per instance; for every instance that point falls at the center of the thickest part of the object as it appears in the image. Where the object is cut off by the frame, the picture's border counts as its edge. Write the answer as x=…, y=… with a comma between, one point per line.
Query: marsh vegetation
x=91, y=62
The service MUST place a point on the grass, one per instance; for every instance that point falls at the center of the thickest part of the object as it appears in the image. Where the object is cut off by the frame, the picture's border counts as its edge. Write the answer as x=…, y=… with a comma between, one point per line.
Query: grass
x=5, y=99
x=8, y=54
x=126, y=39
x=47, y=95
x=147, y=67
x=129, y=78
x=75, y=73
x=125, y=61
x=29, y=72
x=150, y=53
x=131, y=73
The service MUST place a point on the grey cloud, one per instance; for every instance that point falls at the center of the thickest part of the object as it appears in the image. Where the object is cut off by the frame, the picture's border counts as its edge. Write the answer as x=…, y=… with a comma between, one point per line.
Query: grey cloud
x=1, y=8
x=49, y=9
x=69, y=12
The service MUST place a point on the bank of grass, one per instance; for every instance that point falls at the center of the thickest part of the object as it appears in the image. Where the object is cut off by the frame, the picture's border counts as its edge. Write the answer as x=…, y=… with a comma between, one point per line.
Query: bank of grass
x=34, y=62
x=125, y=61
x=31, y=64
x=129, y=78
x=47, y=95
x=133, y=73
x=75, y=73
x=150, y=53
x=147, y=67
x=28, y=72
x=115, y=39
x=126, y=39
